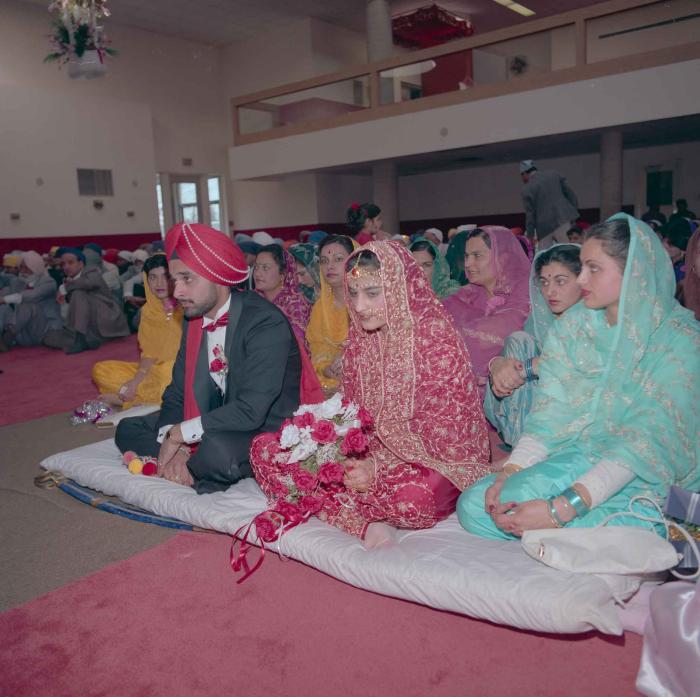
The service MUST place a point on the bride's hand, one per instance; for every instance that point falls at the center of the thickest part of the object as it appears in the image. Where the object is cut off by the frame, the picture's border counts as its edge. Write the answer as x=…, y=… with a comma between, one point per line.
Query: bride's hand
x=359, y=475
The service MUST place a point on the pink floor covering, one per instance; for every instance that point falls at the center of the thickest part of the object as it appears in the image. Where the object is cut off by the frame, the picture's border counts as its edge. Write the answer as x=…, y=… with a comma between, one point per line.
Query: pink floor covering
x=171, y=621
x=39, y=381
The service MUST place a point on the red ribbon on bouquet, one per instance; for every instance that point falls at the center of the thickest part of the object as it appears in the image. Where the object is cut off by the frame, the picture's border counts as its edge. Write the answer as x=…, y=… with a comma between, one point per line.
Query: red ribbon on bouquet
x=240, y=545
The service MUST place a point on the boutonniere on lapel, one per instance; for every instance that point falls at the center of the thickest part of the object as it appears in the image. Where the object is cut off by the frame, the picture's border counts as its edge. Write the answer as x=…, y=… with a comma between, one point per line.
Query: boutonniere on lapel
x=219, y=365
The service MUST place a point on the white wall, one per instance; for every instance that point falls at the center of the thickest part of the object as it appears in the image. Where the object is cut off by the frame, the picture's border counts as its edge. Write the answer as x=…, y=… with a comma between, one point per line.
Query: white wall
x=177, y=83
x=281, y=202
x=336, y=192
x=495, y=189
x=46, y=137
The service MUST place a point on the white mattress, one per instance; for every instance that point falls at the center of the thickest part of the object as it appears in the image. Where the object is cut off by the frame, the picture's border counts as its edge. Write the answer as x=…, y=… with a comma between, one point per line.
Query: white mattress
x=444, y=567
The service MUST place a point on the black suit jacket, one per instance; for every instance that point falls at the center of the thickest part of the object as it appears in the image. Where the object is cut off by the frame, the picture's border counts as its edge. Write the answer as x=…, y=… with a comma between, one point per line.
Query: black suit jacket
x=262, y=385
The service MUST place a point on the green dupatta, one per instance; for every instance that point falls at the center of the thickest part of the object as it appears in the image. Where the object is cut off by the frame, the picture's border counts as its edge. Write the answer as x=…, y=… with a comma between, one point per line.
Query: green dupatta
x=627, y=393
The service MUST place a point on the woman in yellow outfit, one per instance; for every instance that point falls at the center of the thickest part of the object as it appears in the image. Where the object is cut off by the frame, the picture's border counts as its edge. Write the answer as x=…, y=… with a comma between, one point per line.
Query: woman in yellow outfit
x=127, y=384
x=328, y=327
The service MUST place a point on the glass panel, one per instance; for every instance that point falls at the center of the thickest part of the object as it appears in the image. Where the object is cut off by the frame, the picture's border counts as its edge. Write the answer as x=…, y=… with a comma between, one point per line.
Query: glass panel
x=215, y=216
x=187, y=192
x=213, y=189
x=495, y=63
x=335, y=99
x=642, y=29
x=159, y=199
x=189, y=214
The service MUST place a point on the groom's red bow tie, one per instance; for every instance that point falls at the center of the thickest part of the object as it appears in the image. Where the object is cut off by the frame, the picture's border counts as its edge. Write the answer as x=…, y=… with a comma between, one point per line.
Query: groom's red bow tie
x=221, y=322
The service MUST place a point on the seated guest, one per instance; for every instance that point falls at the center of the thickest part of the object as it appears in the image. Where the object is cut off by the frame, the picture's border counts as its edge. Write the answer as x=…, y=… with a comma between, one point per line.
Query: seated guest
x=615, y=414
x=690, y=286
x=108, y=271
x=308, y=272
x=434, y=266
x=27, y=315
x=455, y=254
x=10, y=282
x=125, y=384
x=276, y=280
x=575, y=234
x=513, y=375
x=365, y=221
x=94, y=315
x=435, y=235
x=328, y=326
x=237, y=372
x=682, y=211
x=415, y=466
x=676, y=235
x=316, y=236
x=496, y=301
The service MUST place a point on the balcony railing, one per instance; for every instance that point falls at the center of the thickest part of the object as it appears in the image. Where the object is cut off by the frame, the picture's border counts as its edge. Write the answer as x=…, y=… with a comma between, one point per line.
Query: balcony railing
x=605, y=39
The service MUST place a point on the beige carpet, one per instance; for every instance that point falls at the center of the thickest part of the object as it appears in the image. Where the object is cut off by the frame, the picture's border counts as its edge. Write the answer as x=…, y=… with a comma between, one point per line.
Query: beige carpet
x=48, y=538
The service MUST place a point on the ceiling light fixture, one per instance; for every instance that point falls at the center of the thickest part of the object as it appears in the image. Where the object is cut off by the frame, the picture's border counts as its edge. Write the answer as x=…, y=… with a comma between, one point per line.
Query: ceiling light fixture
x=516, y=7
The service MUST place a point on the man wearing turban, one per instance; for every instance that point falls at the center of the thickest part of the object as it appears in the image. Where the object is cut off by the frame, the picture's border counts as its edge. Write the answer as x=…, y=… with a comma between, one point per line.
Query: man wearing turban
x=237, y=374
x=28, y=314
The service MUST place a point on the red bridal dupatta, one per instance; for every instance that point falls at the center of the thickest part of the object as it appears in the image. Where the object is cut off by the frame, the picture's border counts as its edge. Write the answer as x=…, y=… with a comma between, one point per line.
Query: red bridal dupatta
x=484, y=322
x=415, y=377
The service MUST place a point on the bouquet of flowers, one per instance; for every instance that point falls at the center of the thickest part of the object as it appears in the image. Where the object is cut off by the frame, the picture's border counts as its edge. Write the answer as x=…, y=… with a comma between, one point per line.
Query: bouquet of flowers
x=306, y=467
x=76, y=30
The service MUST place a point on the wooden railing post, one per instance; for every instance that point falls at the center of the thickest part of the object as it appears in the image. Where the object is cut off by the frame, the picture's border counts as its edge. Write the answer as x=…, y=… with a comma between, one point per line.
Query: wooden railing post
x=581, y=48
x=374, y=100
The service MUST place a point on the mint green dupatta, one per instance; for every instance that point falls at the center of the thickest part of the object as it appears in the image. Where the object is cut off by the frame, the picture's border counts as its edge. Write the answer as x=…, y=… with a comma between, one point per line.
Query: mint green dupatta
x=630, y=392
x=442, y=284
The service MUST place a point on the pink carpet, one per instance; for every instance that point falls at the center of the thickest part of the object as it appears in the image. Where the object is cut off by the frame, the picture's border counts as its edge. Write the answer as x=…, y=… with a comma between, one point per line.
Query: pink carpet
x=171, y=621
x=39, y=381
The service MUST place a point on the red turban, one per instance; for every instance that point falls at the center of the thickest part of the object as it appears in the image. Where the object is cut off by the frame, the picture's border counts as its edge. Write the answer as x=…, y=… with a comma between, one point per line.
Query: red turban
x=111, y=255
x=208, y=252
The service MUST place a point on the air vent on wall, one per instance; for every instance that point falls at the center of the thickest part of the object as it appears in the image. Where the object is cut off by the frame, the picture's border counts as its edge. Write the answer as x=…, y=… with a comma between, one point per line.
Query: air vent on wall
x=95, y=182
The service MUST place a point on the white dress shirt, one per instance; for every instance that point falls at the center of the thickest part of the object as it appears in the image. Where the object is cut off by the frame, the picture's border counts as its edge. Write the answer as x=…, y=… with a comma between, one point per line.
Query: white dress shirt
x=192, y=430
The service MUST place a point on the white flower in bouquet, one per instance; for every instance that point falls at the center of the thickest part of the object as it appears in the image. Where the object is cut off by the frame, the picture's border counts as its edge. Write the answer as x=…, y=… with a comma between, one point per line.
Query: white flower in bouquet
x=290, y=436
x=307, y=446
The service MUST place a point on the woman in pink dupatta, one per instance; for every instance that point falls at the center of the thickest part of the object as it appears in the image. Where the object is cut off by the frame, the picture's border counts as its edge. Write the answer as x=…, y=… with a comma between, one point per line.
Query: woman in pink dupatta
x=496, y=302
x=276, y=280
x=430, y=439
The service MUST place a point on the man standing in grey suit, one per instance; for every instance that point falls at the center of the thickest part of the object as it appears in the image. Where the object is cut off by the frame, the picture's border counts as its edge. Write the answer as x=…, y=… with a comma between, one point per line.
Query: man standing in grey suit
x=550, y=205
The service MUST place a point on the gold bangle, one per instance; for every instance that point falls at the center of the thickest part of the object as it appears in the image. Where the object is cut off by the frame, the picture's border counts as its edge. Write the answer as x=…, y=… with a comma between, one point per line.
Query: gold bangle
x=510, y=468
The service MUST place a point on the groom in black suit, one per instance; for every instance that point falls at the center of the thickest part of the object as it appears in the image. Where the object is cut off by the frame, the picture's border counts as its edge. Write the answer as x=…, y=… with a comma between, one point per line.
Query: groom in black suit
x=237, y=373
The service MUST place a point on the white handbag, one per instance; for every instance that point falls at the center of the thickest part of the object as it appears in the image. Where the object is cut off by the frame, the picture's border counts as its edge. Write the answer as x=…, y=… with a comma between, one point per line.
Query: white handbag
x=620, y=549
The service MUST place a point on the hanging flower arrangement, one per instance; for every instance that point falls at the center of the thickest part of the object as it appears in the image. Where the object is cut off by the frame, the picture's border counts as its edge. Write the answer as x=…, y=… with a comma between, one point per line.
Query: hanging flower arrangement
x=78, y=35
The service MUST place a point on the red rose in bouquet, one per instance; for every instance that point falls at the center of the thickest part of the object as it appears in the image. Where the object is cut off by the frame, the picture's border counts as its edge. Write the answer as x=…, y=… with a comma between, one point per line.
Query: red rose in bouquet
x=331, y=472
x=303, y=420
x=354, y=443
x=310, y=504
x=266, y=527
x=304, y=480
x=323, y=432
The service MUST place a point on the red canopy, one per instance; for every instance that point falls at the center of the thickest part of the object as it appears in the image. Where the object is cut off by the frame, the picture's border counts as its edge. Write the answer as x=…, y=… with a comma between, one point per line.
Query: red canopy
x=429, y=26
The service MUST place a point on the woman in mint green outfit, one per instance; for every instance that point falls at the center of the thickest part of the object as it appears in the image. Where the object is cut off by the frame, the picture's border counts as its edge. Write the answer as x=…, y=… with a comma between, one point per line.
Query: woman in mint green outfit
x=513, y=375
x=616, y=412
x=434, y=266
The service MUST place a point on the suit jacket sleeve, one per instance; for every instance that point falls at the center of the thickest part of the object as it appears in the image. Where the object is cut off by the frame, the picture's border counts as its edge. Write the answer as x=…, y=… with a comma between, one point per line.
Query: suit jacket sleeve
x=256, y=381
x=569, y=193
x=46, y=288
x=172, y=410
x=89, y=280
